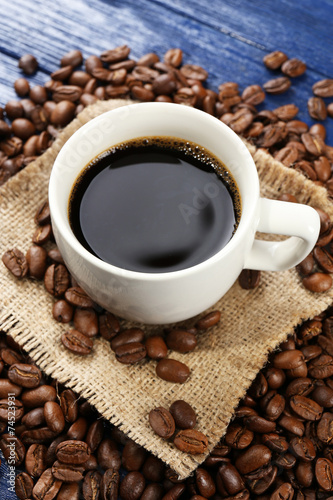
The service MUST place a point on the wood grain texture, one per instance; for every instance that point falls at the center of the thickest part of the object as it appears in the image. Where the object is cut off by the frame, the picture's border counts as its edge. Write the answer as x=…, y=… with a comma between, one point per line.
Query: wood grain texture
x=227, y=37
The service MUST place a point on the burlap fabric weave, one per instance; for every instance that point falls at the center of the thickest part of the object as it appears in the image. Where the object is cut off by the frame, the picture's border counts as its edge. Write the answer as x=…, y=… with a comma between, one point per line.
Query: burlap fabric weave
x=227, y=358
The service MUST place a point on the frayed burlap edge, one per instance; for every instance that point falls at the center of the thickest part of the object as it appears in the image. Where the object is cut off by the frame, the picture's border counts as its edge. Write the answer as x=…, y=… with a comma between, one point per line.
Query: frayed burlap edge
x=227, y=358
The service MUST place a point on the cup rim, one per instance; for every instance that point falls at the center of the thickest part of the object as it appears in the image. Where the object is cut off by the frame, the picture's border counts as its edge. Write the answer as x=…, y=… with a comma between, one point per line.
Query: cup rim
x=77, y=247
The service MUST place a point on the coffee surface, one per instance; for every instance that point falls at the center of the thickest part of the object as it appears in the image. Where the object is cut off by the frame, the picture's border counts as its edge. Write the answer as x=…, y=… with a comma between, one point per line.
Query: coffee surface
x=154, y=205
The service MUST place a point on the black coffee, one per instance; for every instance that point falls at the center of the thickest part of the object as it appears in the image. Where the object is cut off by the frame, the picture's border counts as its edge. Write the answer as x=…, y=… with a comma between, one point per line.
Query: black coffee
x=154, y=205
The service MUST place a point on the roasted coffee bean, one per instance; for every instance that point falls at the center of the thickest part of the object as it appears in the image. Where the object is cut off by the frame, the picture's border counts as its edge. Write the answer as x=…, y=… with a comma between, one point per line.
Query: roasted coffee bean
x=287, y=156
x=86, y=321
x=38, y=94
x=108, y=455
x=275, y=377
x=325, y=428
x=23, y=128
x=62, y=113
x=22, y=87
x=67, y=472
x=249, y=279
x=172, y=370
x=153, y=469
x=305, y=408
x=323, y=88
x=10, y=357
x=126, y=337
x=287, y=360
x=322, y=168
x=293, y=67
x=277, y=85
x=16, y=263
x=13, y=449
x=62, y=311
x=324, y=473
x=323, y=259
x=162, y=422
x=35, y=460
x=251, y=459
x=204, y=483
x=253, y=94
x=313, y=143
x=275, y=442
x=183, y=414
x=283, y=492
x=42, y=234
x=299, y=387
x=181, y=341
x=78, y=297
x=115, y=55
x=91, y=485
x=287, y=113
x=37, y=261
x=258, y=424
x=70, y=93
x=28, y=64
x=130, y=353
x=292, y=424
x=25, y=375
x=56, y=279
x=133, y=456
x=211, y=319
x=72, y=58
x=42, y=215
x=37, y=397
x=302, y=448
x=69, y=491
x=54, y=417
x=323, y=396
x=194, y=71
x=10, y=409
x=191, y=441
x=317, y=108
x=23, y=485
x=238, y=437
x=34, y=418
x=69, y=405
x=132, y=486
x=321, y=367
x=78, y=429
x=108, y=326
x=73, y=452
x=77, y=342
x=271, y=135
x=11, y=146
x=46, y=487
x=6, y=387
x=231, y=480
x=275, y=59
x=42, y=435
x=156, y=347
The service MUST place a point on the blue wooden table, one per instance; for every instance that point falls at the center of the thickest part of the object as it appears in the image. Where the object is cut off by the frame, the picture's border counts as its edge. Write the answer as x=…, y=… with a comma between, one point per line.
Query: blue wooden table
x=227, y=37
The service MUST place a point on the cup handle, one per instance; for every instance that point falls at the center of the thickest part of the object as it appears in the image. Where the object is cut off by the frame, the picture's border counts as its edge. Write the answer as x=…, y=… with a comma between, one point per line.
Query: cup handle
x=301, y=222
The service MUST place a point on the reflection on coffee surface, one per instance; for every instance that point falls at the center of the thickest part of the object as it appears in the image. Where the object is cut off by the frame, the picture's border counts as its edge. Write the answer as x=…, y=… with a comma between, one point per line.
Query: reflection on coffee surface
x=154, y=205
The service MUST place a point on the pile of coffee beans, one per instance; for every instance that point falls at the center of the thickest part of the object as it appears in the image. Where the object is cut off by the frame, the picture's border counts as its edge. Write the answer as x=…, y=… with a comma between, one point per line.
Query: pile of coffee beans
x=181, y=415
x=28, y=126
x=278, y=446
x=86, y=320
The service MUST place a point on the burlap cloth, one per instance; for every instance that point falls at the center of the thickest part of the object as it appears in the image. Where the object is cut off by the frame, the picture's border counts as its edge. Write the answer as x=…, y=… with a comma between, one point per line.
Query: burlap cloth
x=227, y=357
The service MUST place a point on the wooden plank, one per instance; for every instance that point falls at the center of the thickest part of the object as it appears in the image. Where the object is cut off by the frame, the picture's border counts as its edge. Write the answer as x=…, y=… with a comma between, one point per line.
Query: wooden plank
x=35, y=27
x=295, y=27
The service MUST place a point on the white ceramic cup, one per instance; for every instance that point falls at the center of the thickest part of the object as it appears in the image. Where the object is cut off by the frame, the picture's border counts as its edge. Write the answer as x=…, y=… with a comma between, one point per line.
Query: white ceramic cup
x=174, y=296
